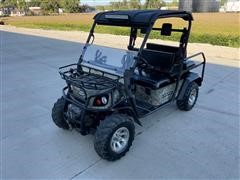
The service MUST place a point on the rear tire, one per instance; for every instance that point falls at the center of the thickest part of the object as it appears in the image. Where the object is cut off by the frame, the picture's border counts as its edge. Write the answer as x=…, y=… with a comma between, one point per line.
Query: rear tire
x=57, y=114
x=189, y=98
x=114, y=137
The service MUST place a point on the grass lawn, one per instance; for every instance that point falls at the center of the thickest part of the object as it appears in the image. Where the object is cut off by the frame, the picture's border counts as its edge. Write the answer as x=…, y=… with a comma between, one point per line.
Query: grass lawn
x=214, y=28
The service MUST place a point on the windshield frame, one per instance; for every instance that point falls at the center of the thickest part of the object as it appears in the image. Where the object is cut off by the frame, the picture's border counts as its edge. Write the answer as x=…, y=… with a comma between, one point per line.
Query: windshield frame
x=107, y=59
x=133, y=38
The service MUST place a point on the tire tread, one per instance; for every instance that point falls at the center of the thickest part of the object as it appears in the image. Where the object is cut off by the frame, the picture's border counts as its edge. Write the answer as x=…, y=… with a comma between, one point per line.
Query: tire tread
x=183, y=103
x=57, y=114
x=106, y=128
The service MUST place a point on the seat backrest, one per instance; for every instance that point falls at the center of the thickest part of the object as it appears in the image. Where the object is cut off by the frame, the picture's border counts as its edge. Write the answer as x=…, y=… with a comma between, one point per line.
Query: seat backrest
x=159, y=59
x=160, y=47
x=178, y=51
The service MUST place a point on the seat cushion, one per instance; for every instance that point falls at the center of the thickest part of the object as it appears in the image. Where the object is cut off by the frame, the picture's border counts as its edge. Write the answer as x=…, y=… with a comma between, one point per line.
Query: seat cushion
x=153, y=81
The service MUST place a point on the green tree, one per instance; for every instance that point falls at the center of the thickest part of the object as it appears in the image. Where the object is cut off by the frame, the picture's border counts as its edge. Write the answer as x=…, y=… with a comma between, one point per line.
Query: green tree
x=154, y=4
x=223, y=2
x=135, y=4
x=174, y=3
x=125, y=4
x=50, y=6
x=22, y=6
x=71, y=6
x=116, y=5
x=10, y=3
x=34, y=3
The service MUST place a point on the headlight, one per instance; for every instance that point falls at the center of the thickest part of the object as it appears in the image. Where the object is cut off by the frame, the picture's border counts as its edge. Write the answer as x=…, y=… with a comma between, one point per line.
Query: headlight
x=104, y=100
x=100, y=102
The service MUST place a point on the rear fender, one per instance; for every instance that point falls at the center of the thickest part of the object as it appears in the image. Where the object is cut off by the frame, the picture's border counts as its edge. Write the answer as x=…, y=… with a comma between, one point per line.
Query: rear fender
x=191, y=77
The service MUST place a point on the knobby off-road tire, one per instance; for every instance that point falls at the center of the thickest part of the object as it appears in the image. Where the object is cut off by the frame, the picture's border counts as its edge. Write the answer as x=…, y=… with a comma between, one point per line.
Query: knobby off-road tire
x=114, y=129
x=57, y=114
x=189, y=98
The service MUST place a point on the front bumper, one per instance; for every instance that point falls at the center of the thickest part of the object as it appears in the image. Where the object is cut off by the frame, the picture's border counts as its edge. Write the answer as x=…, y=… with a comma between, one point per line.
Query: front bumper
x=84, y=108
x=84, y=105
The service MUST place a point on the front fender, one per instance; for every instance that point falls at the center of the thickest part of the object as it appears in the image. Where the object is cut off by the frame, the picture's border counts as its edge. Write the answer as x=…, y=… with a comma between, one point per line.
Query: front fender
x=129, y=110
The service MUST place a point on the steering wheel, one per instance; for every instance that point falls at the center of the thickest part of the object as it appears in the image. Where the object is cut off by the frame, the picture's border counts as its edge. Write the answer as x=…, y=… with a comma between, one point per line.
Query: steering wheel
x=145, y=63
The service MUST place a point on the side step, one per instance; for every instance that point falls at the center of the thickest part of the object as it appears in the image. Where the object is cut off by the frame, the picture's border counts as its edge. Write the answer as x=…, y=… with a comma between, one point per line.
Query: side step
x=144, y=108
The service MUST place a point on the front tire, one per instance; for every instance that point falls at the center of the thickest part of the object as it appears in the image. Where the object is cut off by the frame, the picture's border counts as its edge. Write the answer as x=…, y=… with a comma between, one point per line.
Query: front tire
x=189, y=98
x=58, y=113
x=114, y=137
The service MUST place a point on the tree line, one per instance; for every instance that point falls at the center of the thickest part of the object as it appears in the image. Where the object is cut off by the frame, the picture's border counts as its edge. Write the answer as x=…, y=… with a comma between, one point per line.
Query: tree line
x=47, y=6
x=73, y=6
x=136, y=4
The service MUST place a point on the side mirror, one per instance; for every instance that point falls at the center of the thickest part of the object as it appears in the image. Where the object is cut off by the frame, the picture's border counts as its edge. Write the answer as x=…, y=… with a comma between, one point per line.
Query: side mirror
x=166, y=29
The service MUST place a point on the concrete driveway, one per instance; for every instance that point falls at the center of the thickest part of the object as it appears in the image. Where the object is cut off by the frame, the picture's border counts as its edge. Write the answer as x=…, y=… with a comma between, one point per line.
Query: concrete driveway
x=202, y=143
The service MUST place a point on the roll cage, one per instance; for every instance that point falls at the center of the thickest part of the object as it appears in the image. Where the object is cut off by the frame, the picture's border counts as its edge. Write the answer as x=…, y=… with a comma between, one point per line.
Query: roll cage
x=143, y=20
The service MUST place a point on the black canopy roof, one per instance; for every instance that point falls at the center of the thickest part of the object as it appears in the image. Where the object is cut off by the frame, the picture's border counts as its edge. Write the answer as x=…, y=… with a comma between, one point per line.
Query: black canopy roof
x=138, y=17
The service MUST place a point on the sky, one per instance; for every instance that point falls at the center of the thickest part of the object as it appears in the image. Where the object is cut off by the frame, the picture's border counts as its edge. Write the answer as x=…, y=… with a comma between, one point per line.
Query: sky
x=102, y=2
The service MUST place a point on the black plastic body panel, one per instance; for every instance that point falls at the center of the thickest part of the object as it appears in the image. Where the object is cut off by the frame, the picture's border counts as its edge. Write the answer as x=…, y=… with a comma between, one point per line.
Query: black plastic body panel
x=191, y=77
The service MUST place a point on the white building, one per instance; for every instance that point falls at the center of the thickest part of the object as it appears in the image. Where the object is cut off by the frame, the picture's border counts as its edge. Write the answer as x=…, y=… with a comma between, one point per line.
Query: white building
x=232, y=6
x=35, y=10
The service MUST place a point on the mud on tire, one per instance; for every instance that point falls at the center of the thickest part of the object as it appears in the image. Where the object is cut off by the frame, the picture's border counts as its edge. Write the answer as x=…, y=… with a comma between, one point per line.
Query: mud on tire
x=57, y=114
x=107, y=131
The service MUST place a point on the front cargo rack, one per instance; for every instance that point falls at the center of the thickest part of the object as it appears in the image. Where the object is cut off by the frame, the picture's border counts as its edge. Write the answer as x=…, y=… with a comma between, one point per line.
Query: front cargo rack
x=88, y=77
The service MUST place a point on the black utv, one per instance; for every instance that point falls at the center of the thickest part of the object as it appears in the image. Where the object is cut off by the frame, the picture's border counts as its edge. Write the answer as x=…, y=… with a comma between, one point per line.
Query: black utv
x=108, y=89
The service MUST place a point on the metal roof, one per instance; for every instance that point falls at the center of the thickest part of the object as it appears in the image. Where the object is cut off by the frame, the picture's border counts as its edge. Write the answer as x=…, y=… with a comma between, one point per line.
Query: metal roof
x=138, y=17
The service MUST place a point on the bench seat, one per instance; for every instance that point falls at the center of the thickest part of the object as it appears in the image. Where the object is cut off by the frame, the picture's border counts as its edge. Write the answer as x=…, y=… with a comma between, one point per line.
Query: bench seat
x=153, y=80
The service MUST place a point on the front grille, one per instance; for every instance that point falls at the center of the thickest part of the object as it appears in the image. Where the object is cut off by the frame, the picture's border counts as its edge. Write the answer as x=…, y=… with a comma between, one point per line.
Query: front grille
x=78, y=92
